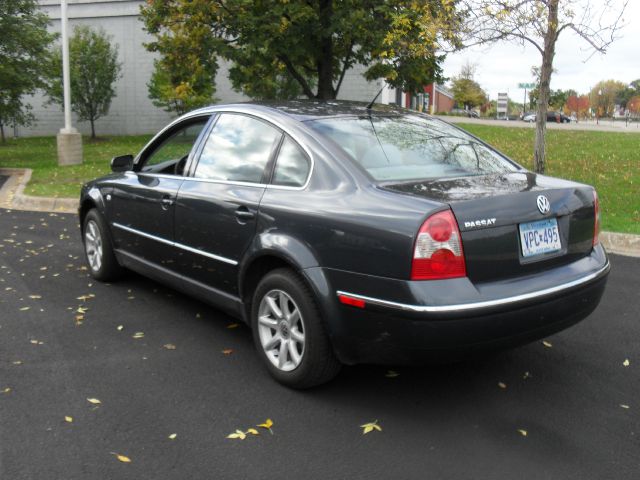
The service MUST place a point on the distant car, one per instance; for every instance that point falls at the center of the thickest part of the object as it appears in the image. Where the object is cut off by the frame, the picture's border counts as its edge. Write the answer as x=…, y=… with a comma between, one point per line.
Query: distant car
x=551, y=117
x=346, y=234
x=463, y=112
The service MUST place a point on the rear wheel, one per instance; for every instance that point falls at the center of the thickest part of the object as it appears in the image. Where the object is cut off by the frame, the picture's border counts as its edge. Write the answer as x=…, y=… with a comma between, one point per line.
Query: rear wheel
x=288, y=332
x=101, y=259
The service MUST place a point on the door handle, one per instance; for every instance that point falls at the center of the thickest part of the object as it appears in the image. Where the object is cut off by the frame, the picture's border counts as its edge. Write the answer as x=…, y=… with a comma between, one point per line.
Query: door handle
x=166, y=202
x=243, y=214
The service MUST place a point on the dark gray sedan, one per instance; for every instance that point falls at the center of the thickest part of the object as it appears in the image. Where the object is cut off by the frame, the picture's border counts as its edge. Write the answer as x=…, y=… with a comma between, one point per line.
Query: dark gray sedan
x=344, y=234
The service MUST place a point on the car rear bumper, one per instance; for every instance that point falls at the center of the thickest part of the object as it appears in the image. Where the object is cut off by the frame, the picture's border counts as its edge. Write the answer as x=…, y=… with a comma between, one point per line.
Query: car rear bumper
x=407, y=322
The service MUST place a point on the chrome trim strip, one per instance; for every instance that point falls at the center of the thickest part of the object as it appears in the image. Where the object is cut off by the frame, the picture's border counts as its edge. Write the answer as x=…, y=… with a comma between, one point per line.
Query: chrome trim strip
x=175, y=244
x=470, y=306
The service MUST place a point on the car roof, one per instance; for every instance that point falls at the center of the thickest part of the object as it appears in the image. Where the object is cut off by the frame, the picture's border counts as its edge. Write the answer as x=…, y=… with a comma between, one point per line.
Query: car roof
x=303, y=110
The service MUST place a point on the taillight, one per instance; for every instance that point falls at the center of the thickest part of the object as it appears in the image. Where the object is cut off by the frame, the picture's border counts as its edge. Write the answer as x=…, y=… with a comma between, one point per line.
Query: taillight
x=596, y=216
x=438, y=250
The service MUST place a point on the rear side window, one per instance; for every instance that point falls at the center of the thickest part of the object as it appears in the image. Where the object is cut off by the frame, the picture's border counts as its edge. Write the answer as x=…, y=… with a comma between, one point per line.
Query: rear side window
x=292, y=167
x=237, y=149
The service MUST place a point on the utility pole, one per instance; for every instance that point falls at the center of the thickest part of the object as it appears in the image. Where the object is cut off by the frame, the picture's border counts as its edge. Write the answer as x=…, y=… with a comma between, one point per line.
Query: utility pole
x=69, y=139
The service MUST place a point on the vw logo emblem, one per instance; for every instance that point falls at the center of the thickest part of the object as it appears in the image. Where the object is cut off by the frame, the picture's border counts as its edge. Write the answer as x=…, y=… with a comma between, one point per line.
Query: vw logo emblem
x=543, y=204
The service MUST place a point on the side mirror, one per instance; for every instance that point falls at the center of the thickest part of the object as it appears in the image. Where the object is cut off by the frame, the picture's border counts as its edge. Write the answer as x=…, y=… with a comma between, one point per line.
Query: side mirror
x=122, y=163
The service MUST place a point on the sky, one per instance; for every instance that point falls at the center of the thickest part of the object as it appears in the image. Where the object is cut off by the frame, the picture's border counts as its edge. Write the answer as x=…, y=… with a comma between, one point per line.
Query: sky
x=499, y=68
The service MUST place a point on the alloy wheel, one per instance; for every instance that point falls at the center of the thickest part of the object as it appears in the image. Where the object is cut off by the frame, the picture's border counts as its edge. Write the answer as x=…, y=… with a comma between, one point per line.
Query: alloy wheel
x=93, y=245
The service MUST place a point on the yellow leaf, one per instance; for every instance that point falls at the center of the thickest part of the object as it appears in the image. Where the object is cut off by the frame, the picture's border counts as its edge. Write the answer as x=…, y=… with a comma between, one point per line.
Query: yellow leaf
x=122, y=458
x=120, y=327
x=622, y=405
x=138, y=335
x=35, y=297
x=24, y=309
x=626, y=362
x=6, y=390
x=392, y=374
x=169, y=346
x=227, y=351
x=173, y=436
x=522, y=432
x=502, y=385
x=94, y=401
x=547, y=344
x=253, y=431
x=233, y=325
x=68, y=419
x=237, y=434
x=81, y=310
x=267, y=424
x=371, y=426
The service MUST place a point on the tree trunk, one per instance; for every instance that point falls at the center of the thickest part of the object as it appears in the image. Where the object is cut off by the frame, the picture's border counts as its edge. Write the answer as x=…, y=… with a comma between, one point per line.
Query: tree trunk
x=2, y=132
x=93, y=129
x=545, y=85
x=325, y=56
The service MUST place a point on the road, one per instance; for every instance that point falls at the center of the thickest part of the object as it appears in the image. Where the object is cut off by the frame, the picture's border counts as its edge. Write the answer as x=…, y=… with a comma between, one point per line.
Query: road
x=569, y=410
x=590, y=126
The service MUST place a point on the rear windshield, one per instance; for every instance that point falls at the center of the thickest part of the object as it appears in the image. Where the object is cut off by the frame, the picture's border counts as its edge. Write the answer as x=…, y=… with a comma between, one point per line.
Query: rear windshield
x=410, y=147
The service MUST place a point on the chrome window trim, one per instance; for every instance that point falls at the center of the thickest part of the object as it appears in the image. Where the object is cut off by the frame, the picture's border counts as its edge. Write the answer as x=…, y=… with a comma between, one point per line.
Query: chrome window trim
x=175, y=244
x=476, y=305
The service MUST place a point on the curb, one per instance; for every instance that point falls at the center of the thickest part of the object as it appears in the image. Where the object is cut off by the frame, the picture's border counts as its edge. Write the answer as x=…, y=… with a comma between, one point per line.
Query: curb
x=12, y=197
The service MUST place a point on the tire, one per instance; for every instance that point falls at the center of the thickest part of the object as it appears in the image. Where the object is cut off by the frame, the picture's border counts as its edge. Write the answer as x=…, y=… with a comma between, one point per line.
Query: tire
x=98, y=250
x=307, y=358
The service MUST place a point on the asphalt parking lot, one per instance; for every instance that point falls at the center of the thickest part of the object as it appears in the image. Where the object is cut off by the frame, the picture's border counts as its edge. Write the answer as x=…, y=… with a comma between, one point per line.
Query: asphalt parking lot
x=161, y=364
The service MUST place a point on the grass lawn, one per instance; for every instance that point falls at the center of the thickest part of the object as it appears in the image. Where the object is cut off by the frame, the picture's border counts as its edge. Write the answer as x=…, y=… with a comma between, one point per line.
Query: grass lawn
x=609, y=161
x=48, y=179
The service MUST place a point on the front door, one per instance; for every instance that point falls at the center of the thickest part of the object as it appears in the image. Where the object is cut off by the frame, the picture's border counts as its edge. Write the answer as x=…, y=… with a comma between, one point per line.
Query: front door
x=143, y=201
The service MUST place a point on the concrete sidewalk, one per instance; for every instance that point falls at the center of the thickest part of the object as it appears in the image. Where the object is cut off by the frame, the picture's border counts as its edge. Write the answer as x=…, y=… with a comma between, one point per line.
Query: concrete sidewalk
x=12, y=197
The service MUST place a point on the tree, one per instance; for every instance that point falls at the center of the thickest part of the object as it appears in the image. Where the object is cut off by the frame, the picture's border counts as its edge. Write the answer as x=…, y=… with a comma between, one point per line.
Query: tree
x=578, y=104
x=94, y=68
x=603, y=96
x=24, y=58
x=629, y=91
x=284, y=48
x=540, y=23
x=466, y=91
x=634, y=105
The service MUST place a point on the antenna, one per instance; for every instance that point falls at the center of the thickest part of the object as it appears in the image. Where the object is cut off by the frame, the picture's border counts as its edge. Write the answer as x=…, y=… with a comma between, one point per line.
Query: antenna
x=375, y=98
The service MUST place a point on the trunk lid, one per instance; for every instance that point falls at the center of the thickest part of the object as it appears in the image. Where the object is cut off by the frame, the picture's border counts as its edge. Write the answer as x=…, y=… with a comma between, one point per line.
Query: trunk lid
x=490, y=210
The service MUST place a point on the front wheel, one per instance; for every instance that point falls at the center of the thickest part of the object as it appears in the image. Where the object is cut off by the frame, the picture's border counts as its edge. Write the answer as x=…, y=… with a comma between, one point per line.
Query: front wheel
x=102, y=261
x=288, y=332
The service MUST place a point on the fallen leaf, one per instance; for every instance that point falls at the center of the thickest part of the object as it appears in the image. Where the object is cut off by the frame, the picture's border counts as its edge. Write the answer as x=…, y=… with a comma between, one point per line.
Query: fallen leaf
x=81, y=310
x=6, y=390
x=392, y=374
x=625, y=406
x=120, y=327
x=24, y=309
x=502, y=385
x=35, y=297
x=17, y=362
x=253, y=431
x=68, y=419
x=227, y=351
x=233, y=325
x=526, y=375
x=268, y=423
x=626, y=362
x=237, y=434
x=547, y=344
x=369, y=427
x=95, y=401
x=122, y=458
x=522, y=432
x=169, y=346
x=173, y=436
x=138, y=335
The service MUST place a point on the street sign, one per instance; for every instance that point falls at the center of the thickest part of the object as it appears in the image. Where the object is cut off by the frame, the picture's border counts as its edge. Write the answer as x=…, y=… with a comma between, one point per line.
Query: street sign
x=527, y=86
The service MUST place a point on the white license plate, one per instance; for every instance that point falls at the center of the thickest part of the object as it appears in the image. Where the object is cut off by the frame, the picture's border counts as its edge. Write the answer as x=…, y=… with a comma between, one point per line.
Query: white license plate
x=539, y=237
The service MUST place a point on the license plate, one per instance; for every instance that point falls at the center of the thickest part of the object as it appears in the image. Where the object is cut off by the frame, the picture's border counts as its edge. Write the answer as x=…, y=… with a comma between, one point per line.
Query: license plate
x=539, y=237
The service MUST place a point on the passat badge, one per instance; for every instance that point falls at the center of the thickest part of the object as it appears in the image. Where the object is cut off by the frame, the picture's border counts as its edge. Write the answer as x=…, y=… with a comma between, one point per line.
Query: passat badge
x=543, y=204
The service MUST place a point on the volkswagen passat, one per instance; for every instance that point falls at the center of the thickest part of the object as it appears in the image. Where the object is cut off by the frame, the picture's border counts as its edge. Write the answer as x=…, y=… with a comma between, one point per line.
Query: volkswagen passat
x=344, y=234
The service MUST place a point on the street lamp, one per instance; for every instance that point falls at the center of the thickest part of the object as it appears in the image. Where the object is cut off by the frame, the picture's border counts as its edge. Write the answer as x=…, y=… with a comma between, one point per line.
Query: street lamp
x=69, y=139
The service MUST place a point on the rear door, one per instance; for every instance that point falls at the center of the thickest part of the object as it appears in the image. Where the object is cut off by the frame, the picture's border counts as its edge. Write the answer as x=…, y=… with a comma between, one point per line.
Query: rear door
x=142, y=204
x=217, y=205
